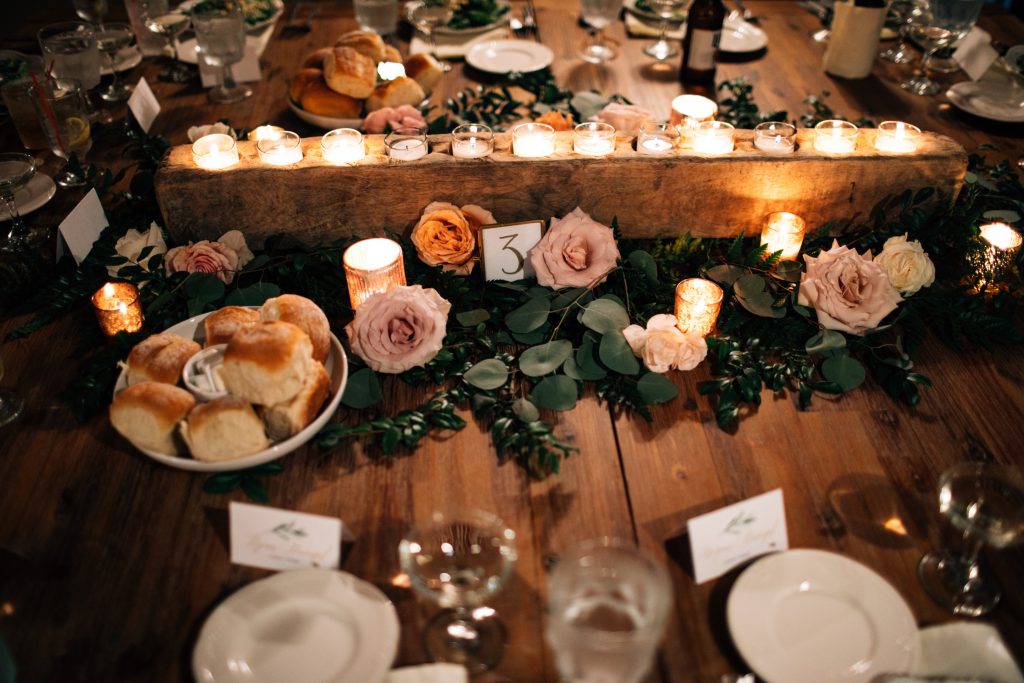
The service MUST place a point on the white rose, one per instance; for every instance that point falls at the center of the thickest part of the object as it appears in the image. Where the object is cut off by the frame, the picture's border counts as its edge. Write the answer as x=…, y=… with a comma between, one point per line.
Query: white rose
x=908, y=265
x=131, y=245
x=196, y=132
x=663, y=347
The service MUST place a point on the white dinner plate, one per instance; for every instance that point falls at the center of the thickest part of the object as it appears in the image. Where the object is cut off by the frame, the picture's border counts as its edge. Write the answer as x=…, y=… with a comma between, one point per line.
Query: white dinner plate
x=631, y=7
x=739, y=36
x=506, y=56
x=461, y=32
x=36, y=192
x=337, y=368
x=325, y=122
x=301, y=626
x=126, y=58
x=987, y=99
x=254, y=26
x=967, y=649
x=810, y=616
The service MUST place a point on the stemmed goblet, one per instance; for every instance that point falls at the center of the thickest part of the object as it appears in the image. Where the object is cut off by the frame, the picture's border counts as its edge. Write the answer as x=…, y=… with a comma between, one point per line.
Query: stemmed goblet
x=958, y=16
x=15, y=172
x=460, y=561
x=932, y=37
x=902, y=12
x=112, y=38
x=598, y=49
x=92, y=11
x=428, y=16
x=220, y=34
x=661, y=49
x=169, y=25
x=11, y=404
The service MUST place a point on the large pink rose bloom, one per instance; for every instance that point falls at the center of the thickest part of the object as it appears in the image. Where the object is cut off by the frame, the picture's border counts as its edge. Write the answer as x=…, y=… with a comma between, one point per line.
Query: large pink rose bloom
x=850, y=292
x=204, y=256
x=400, y=329
x=576, y=251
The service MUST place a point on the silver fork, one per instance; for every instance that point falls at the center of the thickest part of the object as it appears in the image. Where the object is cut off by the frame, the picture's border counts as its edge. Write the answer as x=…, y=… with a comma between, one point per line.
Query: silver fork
x=530, y=20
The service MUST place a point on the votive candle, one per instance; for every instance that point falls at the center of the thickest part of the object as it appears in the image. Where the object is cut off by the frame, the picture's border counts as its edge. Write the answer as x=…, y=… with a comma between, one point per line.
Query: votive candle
x=472, y=141
x=697, y=304
x=775, y=137
x=713, y=137
x=835, y=137
x=343, y=146
x=656, y=138
x=783, y=231
x=897, y=137
x=533, y=140
x=406, y=144
x=372, y=266
x=690, y=110
x=593, y=139
x=117, y=308
x=266, y=132
x=282, y=150
x=215, y=151
x=1001, y=244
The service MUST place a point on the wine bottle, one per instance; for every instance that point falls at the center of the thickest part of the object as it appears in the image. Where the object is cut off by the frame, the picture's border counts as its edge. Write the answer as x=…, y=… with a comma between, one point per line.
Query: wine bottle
x=700, y=44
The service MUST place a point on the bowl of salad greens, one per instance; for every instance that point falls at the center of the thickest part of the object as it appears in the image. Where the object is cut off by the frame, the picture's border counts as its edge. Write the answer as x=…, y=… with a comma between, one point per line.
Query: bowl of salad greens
x=470, y=17
x=258, y=13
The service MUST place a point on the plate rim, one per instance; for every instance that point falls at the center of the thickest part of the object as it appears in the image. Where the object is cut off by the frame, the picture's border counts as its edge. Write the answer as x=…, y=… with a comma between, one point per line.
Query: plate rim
x=756, y=30
x=445, y=31
x=953, y=95
x=318, y=120
x=541, y=49
x=49, y=191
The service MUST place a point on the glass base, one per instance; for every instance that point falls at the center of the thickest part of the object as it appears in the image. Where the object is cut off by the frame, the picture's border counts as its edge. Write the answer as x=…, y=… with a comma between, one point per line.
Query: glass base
x=476, y=641
x=661, y=50
x=11, y=407
x=898, y=54
x=67, y=179
x=179, y=72
x=599, y=53
x=945, y=577
x=942, y=65
x=223, y=95
x=920, y=85
x=118, y=93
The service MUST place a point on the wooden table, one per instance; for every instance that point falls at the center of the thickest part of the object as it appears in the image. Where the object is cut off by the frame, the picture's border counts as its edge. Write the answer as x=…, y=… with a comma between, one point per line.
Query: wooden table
x=109, y=563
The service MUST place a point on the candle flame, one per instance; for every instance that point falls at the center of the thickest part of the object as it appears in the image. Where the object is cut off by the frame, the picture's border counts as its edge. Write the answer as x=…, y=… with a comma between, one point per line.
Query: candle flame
x=108, y=290
x=1001, y=236
x=122, y=308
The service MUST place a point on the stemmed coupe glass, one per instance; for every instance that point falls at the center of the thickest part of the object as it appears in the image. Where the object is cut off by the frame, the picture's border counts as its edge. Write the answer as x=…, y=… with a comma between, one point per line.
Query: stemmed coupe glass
x=460, y=561
x=168, y=24
x=15, y=172
x=661, y=49
x=902, y=12
x=111, y=39
x=940, y=25
x=220, y=34
x=428, y=16
x=598, y=14
x=92, y=11
x=986, y=503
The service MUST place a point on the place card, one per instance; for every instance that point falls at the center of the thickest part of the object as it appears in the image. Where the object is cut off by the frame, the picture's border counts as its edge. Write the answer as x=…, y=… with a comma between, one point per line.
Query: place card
x=144, y=105
x=975, y=54
x=505, y=248
x=730, y=536
x=245, y=71
x=271, y=538
x=82, y=227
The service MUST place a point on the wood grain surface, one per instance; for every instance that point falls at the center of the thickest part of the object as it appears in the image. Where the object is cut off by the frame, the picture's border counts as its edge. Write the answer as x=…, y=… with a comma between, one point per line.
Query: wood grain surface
x=109, y=563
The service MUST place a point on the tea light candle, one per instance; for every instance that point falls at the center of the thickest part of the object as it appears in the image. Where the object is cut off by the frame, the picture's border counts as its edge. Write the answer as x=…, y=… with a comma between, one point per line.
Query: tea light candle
x=282, y=150
x=656, y=138
x=593, y=139
x=265, y=133
x=117, y=308
x=835, y=137
x=783, y=231
x=372, y=266
x=343, y=146
x=713, y=137
x=897, y=137
x=472, y=141
x=215, y=151
x=697, y=304
x=533, y=140
x=690, y=110
x=406, y=144
x=775, y=137
x=1001, y=244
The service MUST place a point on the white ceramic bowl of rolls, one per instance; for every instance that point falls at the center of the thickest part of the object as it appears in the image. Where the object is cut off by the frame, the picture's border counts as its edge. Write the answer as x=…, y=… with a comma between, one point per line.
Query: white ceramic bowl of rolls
x=283, y=370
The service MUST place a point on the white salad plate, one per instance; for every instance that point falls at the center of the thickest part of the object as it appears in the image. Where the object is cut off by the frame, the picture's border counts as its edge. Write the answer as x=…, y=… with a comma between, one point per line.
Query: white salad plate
x=302, y=626
x=970, y=650
x=35, y=193
x=337, y=368
x=810, y=616
x=989, y=100
x=325, y=122
x=506, y=56
x=461, y=32
x=739, y=36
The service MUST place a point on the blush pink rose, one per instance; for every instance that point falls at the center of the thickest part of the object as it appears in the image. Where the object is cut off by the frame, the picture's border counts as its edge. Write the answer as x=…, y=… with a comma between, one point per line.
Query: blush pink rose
x=576, y=251
x=393, y=118
x=625, y=118
x=663, y=347
x=222, y=258
x=400, y=329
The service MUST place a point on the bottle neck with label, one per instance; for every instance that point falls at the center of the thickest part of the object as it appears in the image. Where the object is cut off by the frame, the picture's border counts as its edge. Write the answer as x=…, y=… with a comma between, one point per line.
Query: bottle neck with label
x=700, y=44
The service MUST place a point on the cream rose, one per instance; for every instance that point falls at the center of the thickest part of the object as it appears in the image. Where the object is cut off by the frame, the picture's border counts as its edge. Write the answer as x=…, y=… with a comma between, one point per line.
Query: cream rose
x=400, y=329
x=196, y=132
x=625, y=118
x=907, y=264
x=850, y=292
x=222, y=258
x=446, y=235
x=663, y=347
x=131, y=245
x=576, y=251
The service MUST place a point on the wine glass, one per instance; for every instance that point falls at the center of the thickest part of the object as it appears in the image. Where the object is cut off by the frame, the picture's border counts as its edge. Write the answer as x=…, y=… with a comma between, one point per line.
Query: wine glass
x=64, y=118
x=959, y=17
x=112, y=38
x=661, y=49
x=428, y=16
x=901, y=12
x=460, y=561
x=11, y=404
x=168, y=24
x=986, y=502
x=932, y=37
x=92, y=11
x=598, y=14
x=220, y=34
x=15, y=172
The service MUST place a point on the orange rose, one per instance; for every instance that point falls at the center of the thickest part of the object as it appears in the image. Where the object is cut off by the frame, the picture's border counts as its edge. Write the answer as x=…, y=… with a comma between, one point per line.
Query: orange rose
x=557, y=120
x=443, y=237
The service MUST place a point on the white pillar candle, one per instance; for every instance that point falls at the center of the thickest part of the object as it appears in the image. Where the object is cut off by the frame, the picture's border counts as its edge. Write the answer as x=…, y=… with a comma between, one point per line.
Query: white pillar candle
x=775, y=137
x=656, y=138
x=713, y=137
x=593, y=139
x=215, y=151
x=406, y=144
x=343, y=146
x=372, y=266
x=533, y=140
x=281, y=151
x=472, y=141
x=897, y=137
x=835, y=137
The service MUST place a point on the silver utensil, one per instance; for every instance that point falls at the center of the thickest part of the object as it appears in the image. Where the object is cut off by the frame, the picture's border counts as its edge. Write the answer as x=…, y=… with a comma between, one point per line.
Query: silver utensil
x=530, y=20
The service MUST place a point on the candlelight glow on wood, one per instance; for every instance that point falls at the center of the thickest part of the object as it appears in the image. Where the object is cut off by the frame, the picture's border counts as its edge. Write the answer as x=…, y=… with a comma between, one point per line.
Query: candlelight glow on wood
x=783, y=231
x=267, y=132
x=713, y=137
x=343, y=146
x=406, y=144
x=1000, y=245
x=835, y=137
x=215, y=151
x=897, y=137
x=372, y=266
x=697, y=304
x=282, y=150
x=533, y=140
x=690, y=110
x=593, y=139
x=117, y=308
x=775, y=137
x=656, y=138
x=472, y=141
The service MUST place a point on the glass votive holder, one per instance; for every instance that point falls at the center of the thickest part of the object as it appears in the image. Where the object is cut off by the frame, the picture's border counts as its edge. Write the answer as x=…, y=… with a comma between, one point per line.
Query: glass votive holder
x=533, y=140
x=266, y=132
x=406, y=144
x=713, y=137
x=656, y=138
x=835, y=137
x=372, y=266
x=472, y=141
x=282, y=150
x=117, y=308
x=775, y=137
x=897, y=137
x=697, y=304
x=999, y=246
x=593, y=139
x=783, y=231
x=215, y=151
x=690, y=110
x=343, y=146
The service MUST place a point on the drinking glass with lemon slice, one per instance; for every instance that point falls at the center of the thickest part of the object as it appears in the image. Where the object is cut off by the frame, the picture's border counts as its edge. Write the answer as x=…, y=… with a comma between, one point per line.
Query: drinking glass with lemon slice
x=64, y=118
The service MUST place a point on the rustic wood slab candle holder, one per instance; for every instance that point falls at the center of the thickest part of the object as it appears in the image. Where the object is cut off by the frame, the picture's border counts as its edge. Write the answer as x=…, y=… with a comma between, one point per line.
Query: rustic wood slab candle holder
x=652, y=196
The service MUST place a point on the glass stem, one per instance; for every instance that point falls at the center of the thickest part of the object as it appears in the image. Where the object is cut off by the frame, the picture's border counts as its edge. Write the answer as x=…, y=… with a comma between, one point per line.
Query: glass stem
x=663, y=31
x=970, y=560
x=17, y=225
x=924, y=60
x=432, y=43
x=228, y=81
x=113, y=71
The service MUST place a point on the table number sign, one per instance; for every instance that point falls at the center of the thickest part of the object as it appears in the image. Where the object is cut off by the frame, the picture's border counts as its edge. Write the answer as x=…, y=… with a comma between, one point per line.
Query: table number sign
x=144, y=105
x=271, y=538
x=730, y=536
x=505, y=249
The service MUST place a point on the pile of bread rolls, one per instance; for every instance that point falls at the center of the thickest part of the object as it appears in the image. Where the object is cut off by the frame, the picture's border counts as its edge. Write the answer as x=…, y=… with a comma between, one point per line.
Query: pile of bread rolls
x=272, y=370
x=341, y=81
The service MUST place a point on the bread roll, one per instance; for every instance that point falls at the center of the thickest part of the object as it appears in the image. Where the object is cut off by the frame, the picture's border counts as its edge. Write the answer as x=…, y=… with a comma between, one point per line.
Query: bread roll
x=402, y=90
x=301, y=80
x=350, y=73
x=224, y=429
x=317, y=98
x=306, y=315
x=147, y=414
x=425, y=70
x=391, y=54
x=289, y=418
x=222, y=324
x=267, y=363
x=316, y=60
x=160, y=358
x=365, y=43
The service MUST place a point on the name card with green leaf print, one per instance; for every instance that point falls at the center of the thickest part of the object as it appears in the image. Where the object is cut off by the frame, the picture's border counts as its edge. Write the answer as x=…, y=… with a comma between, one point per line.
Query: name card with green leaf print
x=505, y=249
x=730, y=536
x=271, y=538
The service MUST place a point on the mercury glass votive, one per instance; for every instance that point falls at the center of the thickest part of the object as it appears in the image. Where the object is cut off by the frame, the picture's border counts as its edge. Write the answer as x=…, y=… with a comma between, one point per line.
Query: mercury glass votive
x=593, y=139
x=533, y=140
x=1000, y=244
x=406, y=144
x=783, y=231
x=656, y=138
x=215, y=151
x=690, y=110
x=117, y=308
x=472, y=141
x=713, y=137
x=372, y=266
x=697, y=304
x=775, y=137
x=266, y=132
x=897, y=137
x=343, y=146
x=835, y=137
x=282, y=150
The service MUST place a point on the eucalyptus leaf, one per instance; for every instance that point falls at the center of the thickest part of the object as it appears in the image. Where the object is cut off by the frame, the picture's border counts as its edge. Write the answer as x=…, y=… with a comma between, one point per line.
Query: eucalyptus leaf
x=615, y=353
x=557, y=392
x=525, y=410
x=725, y=274
x=587, y=104
x=567, y=296
x=789, y=271
x=846, y=372
x=604, y=316
x=761, y=304
x=253, y=295
x=544, y=359
x=645, y=263
x=474, y=317
x=587, y=366
x=656, y=388
x=487, y=374
x=529, y=316
x=825, y=342
x=362, y=389
x=750, y=285
x=531, y=338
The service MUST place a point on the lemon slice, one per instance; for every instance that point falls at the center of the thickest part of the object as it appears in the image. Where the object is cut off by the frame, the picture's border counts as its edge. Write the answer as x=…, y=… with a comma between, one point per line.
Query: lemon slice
x=77, y=131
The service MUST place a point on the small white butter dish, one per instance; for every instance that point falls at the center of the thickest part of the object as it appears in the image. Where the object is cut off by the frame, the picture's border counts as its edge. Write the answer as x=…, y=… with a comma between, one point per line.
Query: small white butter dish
x=201, y=373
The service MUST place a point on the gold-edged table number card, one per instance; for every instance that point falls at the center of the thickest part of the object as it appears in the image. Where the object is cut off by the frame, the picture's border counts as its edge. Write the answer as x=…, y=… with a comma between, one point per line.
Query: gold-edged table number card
x=505, y=249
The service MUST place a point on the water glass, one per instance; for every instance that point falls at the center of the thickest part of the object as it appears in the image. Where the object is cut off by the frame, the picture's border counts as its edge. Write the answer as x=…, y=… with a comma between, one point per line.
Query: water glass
x=17, y=97
x=70, y=51
x=15, y=172
x=64, y=118
x=380, y=16
x=428, y=17
x=661, y=49
x=160, y=20
x=598, y=14
x=220, y=34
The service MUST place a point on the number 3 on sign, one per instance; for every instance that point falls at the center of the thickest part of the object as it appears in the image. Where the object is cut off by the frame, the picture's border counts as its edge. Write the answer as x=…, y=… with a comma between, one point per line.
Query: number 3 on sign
x=505, y=248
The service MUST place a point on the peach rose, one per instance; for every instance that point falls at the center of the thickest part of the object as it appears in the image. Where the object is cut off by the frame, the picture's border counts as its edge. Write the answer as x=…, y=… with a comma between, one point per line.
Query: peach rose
x=557, y=120
x=393, y=118
x=576, y=251
x=850, y=292
x=626, y=118
x=446, y=235
x=222, y=258
x=663, y=347
x=399, y=329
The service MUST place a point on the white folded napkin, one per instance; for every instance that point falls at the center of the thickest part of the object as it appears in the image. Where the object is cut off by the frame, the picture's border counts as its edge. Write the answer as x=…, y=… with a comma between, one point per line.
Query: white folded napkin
x=453, y=46
x=976, y=54
x=429, y=673
x=638, y=27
